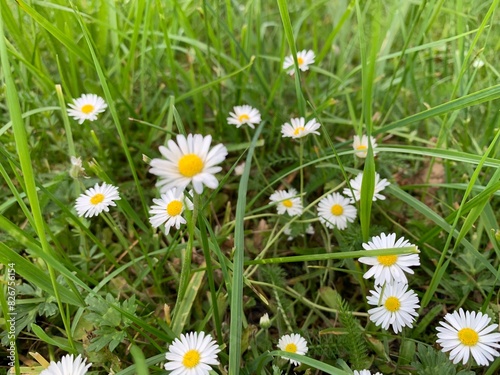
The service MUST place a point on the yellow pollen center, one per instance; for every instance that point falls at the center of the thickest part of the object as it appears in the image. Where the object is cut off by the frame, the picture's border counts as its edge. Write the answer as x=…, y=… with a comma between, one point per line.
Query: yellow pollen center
x=291, y=348
x=387, y=260
x=87, y=108
x=298, y=130
x=468, y=336
x=96, y=199
x=287, y=203
x=337, y=210
x=392, y=304
x=243, y=117
x=190, y=165
x=361, y=147
x=174, y=208
x=300, y=60
x=191, y=359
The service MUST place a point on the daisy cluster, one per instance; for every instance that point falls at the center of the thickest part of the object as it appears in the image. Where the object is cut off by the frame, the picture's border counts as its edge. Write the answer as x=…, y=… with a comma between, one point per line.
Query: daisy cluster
x=189, y=163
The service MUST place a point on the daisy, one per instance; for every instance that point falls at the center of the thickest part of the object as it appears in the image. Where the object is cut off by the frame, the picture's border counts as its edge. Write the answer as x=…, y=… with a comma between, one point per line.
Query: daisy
x=334, y=210
x=466, y=333
x=244, y=114
x=304, y=59
x=387, y=268
x=287, y=201
x=360, y=145
x=96, y=199
x=188, y=161
x=68, y=366
x=168, y=210
x=365, y=372
x=288, y=231
x=86, y=107
x=396, y=306
x=356, y=188
x=192, y=354
x=297, y=129
x=293, y=343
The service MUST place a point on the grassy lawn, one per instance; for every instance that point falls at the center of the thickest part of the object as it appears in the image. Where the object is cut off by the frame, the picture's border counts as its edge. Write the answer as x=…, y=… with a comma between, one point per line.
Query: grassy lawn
x=354, y=199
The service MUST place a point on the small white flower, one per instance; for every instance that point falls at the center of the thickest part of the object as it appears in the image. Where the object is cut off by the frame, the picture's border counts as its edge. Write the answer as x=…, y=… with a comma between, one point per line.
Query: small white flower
x=356, y=188
x=192, y=354
x=304, y=59
x=297, y=129
x=334, y=210
x=310, y=229
x=360, y=145
x=96, y=199
x=76, y=167
x=464, y=333
x=168, y=210
x=238, y=170
x=287, y=202
x=244, y=114
x=68, y=366
x=386, y=268
x=265, y=322
x=288, y=231
x=190, y=160
x=86, y=107
x=365, y=372
x=396, y=306
x=293, y=343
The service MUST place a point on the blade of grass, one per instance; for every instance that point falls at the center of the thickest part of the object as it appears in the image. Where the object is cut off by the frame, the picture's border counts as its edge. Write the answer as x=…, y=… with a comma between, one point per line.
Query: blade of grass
x=236, y=303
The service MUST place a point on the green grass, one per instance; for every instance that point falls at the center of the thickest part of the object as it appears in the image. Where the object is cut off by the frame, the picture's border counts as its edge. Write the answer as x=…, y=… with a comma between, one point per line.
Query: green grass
x=118, y=291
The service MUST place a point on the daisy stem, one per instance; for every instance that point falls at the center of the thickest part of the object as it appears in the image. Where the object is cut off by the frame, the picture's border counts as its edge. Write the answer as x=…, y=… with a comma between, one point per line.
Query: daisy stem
x=301, y=159
x=186, y=262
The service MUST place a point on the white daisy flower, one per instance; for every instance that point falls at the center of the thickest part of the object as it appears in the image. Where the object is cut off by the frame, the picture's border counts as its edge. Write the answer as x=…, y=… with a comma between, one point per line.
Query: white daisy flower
x=168, y=210
x=68, y=366
x=244, y=114
x=264, y=321
x=287, y=201
x=192, y=354
x=478, y=63
x=304, y=59
x=360, y=145
x=356, y=188
x=464, y=333
x=334, y=210
x=96, y=199
x=386, y=268
x=188, y=161
x=365, y=372
x=86, y=107
x=293, y=343
x=297, y=129
x=396, y=306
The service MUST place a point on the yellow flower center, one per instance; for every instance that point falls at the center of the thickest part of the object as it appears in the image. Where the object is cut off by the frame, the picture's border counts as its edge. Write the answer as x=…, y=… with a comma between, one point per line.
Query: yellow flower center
x=87, y=108
x=337, y=210
x=174, y=208
x=244, y=117
x=387, y=260
x=96, y=199
x=300, y=61
x=191, y=359
x=468, y=336
x=392, y=304
x=361, y=147
x=190, y=165
x=298, y=130
x=287, y=203
x=291, y=348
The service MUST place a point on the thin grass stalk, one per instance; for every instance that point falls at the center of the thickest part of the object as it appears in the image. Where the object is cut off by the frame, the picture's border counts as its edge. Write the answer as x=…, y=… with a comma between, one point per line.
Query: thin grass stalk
x=236, y=303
